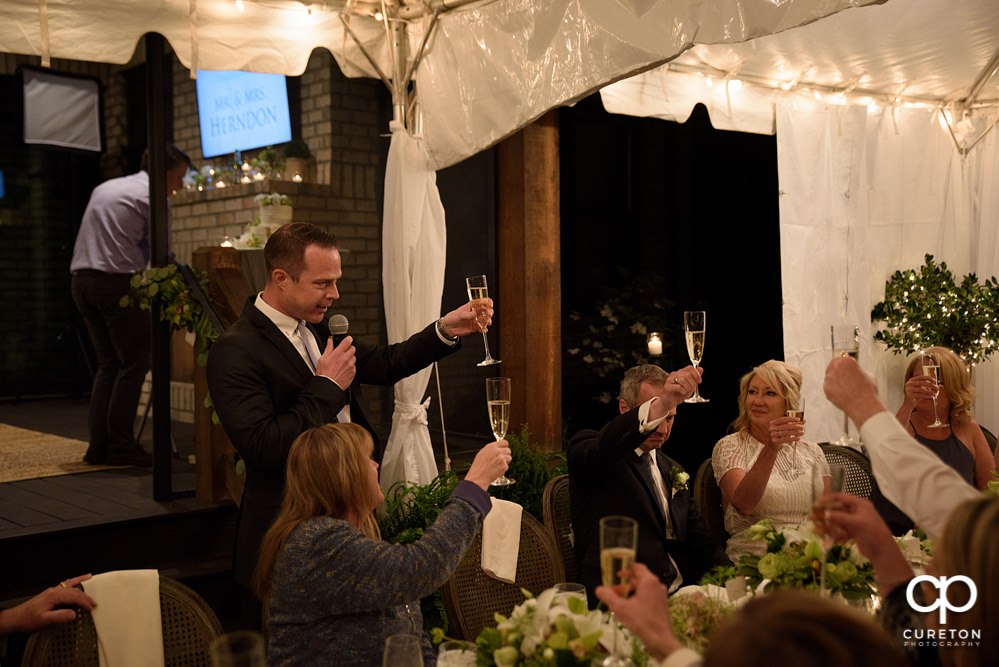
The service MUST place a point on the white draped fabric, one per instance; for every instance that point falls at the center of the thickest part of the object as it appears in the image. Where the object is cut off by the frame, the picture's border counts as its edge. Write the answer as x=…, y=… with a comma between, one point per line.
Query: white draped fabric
x=414, y=242
x=863, y=194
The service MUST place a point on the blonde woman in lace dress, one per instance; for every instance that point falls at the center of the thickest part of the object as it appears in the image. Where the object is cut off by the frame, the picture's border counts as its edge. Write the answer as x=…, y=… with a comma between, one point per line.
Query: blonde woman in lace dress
x=754, y=465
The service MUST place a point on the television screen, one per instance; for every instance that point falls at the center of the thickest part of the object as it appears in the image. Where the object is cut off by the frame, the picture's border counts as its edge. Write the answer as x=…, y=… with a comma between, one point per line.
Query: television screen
x=241, y=110
x=62, y=110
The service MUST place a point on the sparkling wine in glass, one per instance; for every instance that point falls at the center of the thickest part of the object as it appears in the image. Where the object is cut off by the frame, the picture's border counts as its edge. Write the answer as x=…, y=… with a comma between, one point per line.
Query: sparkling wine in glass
x=478, y=292
x=693, y=331
x=819, y=509
x=618, y=543
x=498, y=401
x=931, y=368
x=846, y=343
x=799, y=414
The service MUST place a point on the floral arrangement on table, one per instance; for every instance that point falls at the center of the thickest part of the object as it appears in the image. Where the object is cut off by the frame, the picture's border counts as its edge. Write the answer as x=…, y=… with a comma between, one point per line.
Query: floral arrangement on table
x=916, y=547
x=548, y=631
x=794, y=560
x=926, y=307
x=696, y=611
x=272, y=199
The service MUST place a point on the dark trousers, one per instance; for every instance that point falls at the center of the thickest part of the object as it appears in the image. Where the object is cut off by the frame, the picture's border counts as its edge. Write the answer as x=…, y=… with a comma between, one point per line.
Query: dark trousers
x=121, y=339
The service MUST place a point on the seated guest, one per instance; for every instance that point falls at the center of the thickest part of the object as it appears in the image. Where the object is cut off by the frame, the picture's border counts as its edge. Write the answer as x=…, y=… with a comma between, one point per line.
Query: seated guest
x=969, y=547
x=961, y=444
x=48, y=607
x=332, y=590
x=755, y=467
x=779, y=628
x=621, y=470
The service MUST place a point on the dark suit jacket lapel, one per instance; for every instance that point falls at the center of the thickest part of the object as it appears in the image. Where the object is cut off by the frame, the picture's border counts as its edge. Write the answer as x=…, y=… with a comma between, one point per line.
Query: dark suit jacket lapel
x=677, y=501
x=645, y=479
x=273, y=335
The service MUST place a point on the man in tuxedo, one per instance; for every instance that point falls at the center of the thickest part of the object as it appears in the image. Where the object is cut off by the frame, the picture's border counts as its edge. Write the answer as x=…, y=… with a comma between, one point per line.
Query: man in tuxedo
x=272, y=375
x=620, y=470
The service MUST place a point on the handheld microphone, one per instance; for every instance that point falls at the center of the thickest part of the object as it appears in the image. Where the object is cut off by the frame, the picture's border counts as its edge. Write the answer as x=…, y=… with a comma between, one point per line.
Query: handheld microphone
x=338, y=328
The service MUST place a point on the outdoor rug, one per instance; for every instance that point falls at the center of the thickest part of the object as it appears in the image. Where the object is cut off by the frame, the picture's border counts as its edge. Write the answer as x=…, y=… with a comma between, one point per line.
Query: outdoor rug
x=28, y=454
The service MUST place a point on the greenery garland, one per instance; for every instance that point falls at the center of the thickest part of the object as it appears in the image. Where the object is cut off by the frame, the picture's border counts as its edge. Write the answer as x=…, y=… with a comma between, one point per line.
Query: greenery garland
x=926, y=307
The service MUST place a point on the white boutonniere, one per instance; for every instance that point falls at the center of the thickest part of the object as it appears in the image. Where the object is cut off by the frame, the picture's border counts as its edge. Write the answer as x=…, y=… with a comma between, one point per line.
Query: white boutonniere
x=678, y=479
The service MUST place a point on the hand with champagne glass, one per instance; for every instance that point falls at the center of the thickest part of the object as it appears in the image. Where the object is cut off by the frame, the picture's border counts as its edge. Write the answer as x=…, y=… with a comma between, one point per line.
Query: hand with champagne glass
x=618, y=545
x=824, y=480
x=498, y=402
x=845, y=343
x=478, y=298
x=693, y=331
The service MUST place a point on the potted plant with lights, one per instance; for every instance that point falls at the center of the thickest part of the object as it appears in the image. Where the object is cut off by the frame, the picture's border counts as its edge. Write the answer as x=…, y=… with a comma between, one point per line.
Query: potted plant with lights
x=925, y=307
x=296, y=159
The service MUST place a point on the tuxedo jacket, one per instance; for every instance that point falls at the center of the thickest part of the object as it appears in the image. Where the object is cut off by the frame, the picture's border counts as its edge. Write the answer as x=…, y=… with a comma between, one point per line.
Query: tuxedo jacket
x=607, y=478
x=266, y=395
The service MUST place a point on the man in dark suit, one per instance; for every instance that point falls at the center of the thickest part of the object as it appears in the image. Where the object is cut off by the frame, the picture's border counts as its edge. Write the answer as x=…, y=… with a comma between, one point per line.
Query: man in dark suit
x=272, y=375
x=620, y=470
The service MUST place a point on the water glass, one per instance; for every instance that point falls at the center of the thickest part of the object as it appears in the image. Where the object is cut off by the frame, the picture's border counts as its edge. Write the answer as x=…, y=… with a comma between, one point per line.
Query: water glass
x=453, y=653
x=402, y=651
x=569, y=589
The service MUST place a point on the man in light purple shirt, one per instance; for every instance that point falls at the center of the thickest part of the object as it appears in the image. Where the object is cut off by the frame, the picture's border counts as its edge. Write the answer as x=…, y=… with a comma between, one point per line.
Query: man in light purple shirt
x=112, y=244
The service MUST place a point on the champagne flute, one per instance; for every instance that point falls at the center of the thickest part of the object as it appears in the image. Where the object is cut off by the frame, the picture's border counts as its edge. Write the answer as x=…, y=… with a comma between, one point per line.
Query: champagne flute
x=618, y=544
x=799, y=414
x=846, y=343
x=931, y=368
x=819, y=509
x=693, y=329
x=498, y=400
x=478, y=291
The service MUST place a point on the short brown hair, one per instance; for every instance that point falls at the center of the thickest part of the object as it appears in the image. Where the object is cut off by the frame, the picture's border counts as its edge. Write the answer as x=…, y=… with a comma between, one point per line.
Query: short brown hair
x=635, y=376
x=174, y=158
x=790, y=627
x=285, y=248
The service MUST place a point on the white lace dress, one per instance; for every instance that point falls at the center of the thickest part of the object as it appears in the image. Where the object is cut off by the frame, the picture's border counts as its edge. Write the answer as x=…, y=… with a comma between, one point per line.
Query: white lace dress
x=785, y=501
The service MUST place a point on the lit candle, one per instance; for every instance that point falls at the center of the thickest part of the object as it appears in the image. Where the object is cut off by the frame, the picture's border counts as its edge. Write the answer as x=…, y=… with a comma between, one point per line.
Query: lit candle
x=226, y=243
x=246, y=179
x=655, y=344
x=258, y=176
x=297, y=178
x=220, y=184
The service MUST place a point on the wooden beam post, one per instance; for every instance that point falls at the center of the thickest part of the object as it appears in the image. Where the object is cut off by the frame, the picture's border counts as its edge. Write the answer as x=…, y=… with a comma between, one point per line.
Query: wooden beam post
x=529, y=298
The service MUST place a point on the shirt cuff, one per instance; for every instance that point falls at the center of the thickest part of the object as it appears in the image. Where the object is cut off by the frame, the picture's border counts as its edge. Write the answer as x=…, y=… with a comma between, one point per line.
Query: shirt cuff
x=447, y=340
x=645, y=426
x=473, y=494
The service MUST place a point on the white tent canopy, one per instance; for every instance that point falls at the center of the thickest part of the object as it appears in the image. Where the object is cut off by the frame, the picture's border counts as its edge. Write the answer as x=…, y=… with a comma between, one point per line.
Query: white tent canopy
x=850, y=178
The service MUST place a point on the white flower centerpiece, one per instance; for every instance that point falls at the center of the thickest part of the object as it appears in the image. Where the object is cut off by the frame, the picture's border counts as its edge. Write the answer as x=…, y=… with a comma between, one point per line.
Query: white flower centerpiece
x=275, y=209
x=547, y=630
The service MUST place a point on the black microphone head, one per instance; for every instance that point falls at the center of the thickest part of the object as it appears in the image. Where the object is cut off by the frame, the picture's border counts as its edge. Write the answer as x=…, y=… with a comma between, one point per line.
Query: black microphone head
x=339, y=325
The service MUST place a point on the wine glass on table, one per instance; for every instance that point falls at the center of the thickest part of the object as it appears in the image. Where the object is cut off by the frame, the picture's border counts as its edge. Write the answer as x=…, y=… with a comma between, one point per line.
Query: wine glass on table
x=478, y=292
x=799, y=414
x=931, y=368
x=618, y=544
x=693, y=331
x=819, y=509
x=846, y=343
x=498, y=400
x=402, y=651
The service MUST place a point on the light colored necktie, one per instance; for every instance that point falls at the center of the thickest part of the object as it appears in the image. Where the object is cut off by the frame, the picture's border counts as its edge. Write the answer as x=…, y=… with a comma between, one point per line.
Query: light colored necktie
x=304, y=334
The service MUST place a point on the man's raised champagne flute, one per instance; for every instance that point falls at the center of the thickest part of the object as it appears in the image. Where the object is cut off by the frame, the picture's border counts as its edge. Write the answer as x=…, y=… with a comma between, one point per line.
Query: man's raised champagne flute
x=819, y=509
x=498, y=400
x=931, y=368
x=478, y=292
x=846, y=343
x=693, y=331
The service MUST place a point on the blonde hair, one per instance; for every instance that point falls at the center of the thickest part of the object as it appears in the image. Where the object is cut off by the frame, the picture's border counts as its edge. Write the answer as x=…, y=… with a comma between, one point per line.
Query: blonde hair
x=327, y=475
x=783, y=377
x=954, y=375
x=790, y=627
x=970, y=546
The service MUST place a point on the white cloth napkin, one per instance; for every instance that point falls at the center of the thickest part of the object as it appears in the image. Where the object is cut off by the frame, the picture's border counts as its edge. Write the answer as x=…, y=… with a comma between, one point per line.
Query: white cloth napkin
x=501, y=540
x=127, y=618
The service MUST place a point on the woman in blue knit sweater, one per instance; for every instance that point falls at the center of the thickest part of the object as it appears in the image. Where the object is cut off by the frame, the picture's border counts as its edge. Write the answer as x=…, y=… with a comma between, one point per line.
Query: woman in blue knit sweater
x=332, y=590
